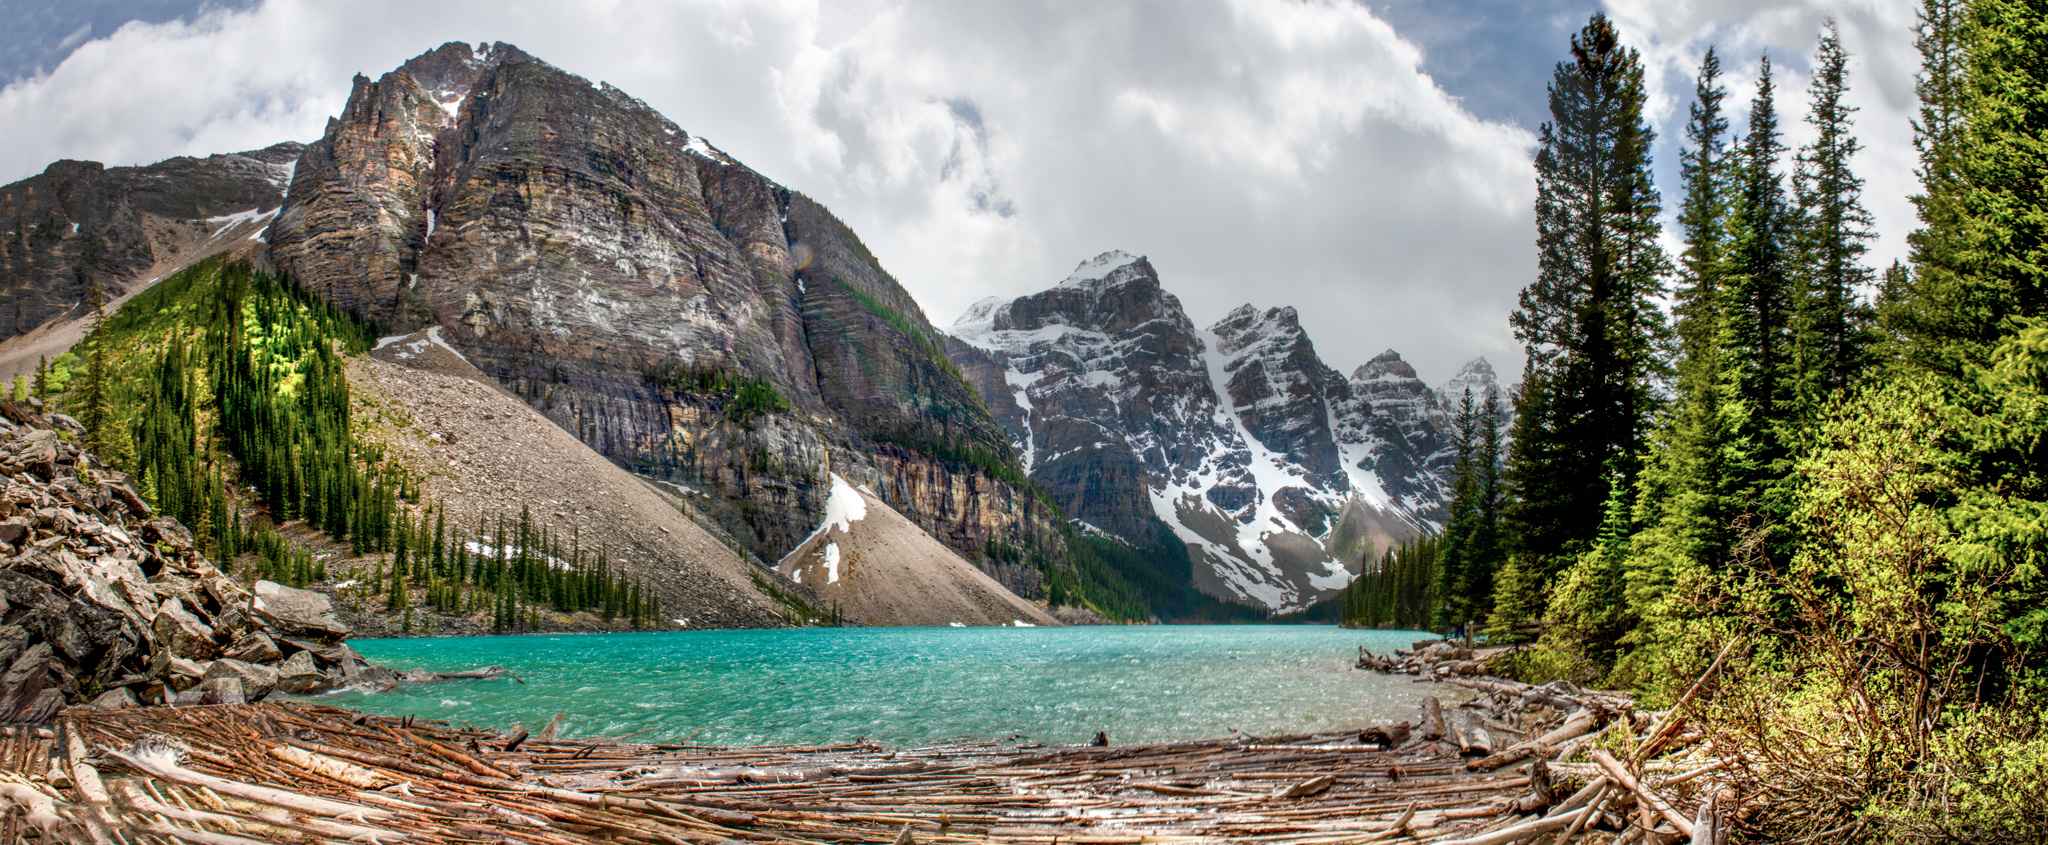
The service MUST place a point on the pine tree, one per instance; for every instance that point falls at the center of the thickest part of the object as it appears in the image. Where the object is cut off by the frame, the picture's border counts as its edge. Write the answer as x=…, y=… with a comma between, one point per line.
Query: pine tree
x=1471, y=539
x=1833, y=323
x=1590, y=323
x=1684, y=497
x=1981, y=259
x=1918, y=312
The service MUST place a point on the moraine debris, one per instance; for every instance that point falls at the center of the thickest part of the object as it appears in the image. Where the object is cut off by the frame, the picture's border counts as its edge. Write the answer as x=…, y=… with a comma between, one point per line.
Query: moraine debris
x=106, y=604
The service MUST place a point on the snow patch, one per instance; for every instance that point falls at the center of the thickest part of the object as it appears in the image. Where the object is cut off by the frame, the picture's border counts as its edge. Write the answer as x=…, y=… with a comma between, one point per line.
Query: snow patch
x=955, y=625
x=238, y=218
x=434, y=334
x=1098, y=268
x=1021, y=623
x=831, y=563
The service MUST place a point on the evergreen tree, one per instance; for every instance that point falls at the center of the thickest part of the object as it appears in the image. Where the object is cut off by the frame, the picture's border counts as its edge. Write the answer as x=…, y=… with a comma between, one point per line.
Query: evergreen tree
x=1912, y=315
x=1761, y=296
x=1590, y=323
x=1833, y=323
x=1684, y=497
x=1471, y=537
x=1981, y=258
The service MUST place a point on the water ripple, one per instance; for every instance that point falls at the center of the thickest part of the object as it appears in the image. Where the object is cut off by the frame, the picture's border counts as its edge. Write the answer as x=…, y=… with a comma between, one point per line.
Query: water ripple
x=909, y=686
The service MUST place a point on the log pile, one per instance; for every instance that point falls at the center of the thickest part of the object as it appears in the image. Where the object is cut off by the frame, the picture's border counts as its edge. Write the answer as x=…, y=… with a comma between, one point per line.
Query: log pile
x=294, y=772
x=1641, y=774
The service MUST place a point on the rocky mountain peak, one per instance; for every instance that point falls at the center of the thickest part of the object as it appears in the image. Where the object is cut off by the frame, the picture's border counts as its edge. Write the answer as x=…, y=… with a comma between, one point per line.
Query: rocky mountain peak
x=1477, y=377
x=674, y=309
x=1386, y=365
x=1106, y=268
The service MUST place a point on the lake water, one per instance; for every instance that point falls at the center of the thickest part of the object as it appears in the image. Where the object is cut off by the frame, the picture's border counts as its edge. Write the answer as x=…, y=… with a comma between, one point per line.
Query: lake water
x=909, y=686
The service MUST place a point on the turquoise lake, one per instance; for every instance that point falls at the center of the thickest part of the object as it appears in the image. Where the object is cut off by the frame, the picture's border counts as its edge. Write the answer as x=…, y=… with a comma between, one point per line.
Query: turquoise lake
x=909, y=686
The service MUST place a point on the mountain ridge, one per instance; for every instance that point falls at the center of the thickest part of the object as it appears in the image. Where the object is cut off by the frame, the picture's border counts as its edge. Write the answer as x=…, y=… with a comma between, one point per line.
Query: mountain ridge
x=1280, y=474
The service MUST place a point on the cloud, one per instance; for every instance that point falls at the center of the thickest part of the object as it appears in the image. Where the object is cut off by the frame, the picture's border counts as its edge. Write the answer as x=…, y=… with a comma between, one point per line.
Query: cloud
x=1277, y=152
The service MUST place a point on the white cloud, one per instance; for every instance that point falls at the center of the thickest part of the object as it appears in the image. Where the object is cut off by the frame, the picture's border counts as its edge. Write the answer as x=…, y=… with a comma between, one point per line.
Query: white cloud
x=1281, y=152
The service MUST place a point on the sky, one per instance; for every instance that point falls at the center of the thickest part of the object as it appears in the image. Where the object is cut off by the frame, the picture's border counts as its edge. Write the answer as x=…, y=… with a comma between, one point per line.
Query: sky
x=1365, y=162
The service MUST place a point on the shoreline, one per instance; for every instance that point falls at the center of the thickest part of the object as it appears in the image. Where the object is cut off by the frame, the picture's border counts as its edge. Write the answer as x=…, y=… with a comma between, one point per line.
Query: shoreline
x=295, y=771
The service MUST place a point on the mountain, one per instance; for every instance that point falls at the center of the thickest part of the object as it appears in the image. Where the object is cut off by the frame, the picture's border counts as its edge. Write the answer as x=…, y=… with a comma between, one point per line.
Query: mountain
x=868, y=565
x=681, y=314
x=1278, y=474
x=80, y=226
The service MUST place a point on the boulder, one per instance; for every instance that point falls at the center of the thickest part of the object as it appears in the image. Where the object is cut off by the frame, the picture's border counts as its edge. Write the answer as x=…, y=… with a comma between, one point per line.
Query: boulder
x=24, y=681
x=43, y=708
x=222, y=690
x=298, y=675
x=254, y=647
x=116, y=699
x=256, y=680
x=181, y=674
x=294, y=612
x=177, y=629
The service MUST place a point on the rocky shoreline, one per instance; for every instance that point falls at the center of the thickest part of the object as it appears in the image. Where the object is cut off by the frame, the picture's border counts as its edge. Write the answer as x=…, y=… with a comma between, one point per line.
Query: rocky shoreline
x=104, y=603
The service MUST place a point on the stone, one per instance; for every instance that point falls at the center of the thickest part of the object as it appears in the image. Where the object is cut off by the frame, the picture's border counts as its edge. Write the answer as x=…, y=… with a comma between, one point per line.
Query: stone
x=293, y=612
x=24, y=680
x=181, y=674
x=257, y=680
x=300, y=663
x=14, y=530
x=167, y=532
x=177, y=629
x=43, y=708
x=222, y=690
x=66, y=423
x=253, y=647
x=299, y=675
x=122, y=698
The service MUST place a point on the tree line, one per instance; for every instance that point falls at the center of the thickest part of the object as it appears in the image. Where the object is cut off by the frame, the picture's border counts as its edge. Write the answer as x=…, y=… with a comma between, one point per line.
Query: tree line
x=1839, y=475
x=222, y=391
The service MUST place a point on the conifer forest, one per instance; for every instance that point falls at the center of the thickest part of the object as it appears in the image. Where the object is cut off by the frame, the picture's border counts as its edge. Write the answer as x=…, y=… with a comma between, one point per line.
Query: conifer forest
x=1832, y=469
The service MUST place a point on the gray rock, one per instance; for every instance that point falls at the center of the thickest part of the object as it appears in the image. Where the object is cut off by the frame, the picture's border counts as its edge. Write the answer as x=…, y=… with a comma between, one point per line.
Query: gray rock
x=24, y=680
x=253, y=647
x=300, y=663
x=298, y=675
x=181, y=674
x=122, y=698
x=256, y=681
x=43, y=708
x=222, y=690
x=294, y=612
x=177, y=629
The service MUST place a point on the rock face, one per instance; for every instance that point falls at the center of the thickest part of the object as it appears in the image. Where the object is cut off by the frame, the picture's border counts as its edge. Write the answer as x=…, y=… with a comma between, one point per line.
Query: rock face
x=489, y=456
x=81, y=224
x=1278, y=473
x=870, y=566
x=680, y=313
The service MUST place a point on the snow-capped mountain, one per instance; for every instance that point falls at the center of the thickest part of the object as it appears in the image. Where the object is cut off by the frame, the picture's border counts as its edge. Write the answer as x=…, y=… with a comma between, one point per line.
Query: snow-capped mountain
x=1279, y=474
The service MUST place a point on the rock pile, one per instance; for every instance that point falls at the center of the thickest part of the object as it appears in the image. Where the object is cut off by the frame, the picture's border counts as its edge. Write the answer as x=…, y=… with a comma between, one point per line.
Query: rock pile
x=102, y=602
